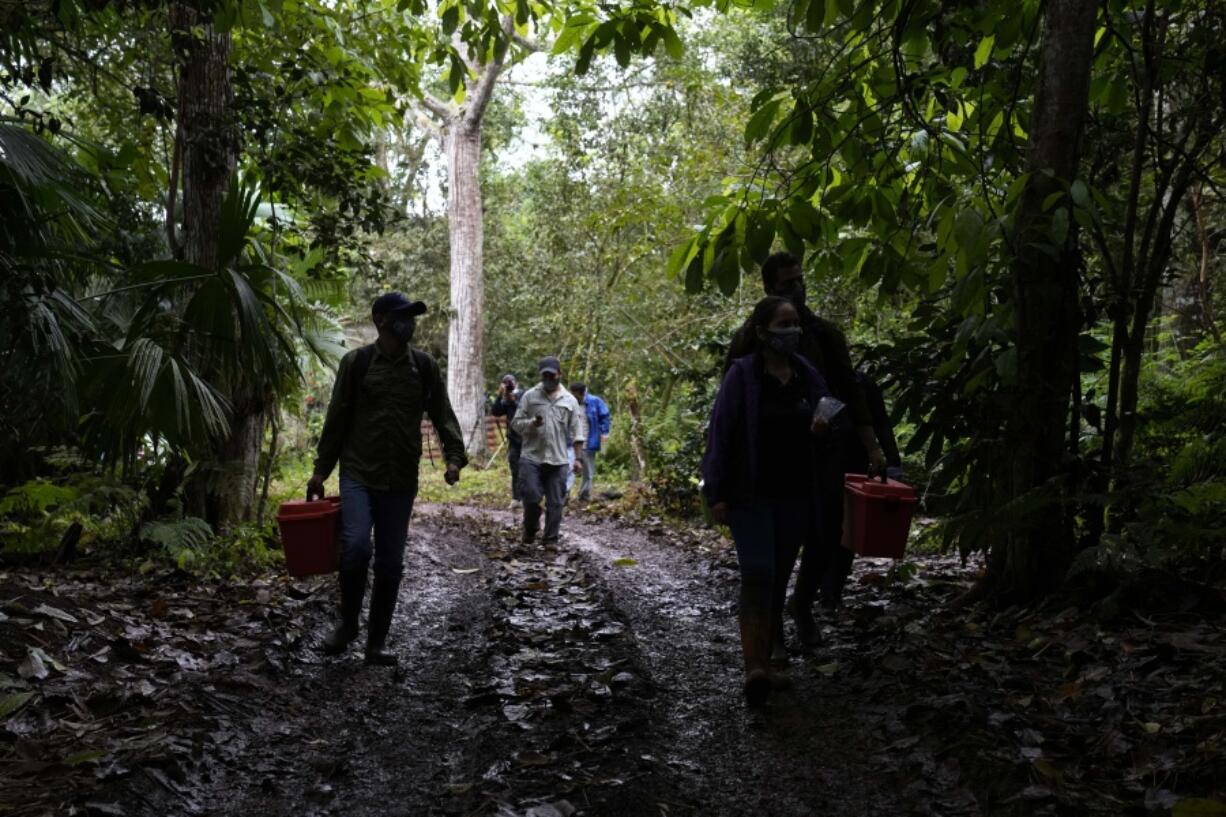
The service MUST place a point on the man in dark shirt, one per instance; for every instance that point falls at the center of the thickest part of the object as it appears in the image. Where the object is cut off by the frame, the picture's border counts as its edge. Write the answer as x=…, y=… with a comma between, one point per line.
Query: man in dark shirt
x=373, y=428
x=824, y=345
x=505, y=405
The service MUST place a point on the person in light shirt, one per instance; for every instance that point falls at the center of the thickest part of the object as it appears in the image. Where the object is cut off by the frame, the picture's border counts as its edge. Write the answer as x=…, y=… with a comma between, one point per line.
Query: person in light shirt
x=551, y=423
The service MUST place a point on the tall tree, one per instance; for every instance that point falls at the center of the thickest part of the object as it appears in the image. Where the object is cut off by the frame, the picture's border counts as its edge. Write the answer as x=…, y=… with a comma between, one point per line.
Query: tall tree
x=205, y=158
x=1045, y=272
x=458, y=125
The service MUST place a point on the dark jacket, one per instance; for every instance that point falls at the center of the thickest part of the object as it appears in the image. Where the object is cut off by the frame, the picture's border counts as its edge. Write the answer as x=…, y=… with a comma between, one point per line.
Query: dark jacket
x=373, y=426
x=730, y=465
x=507, y=408
x=824, y=346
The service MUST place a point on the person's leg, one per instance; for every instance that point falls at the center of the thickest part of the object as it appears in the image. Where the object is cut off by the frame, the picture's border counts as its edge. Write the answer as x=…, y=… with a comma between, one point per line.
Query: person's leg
x=792, y=526
x=839, y=559
x=754, y=535
x=392, y=511
x=554, y=479
x=589, y=472
x=356, y=517
x=513, y=451
x=531, y=491
x=569, y=476
x=837, y=562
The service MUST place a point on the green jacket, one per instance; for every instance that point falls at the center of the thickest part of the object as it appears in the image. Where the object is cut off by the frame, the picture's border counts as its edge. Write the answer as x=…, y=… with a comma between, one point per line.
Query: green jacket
x=374, y=427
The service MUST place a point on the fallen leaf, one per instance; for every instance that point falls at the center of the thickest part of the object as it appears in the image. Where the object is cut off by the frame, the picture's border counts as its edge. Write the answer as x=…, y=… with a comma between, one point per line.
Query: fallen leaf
x=33, y=666
x=1199, y=807
x=11, y=703
x=463, y=571
x=84, y=757
x=625, y=561
x=55, y=612
x=829, y=669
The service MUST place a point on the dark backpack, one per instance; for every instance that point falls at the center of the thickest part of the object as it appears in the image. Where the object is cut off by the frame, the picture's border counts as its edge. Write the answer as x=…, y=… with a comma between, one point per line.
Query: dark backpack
x=361, y=365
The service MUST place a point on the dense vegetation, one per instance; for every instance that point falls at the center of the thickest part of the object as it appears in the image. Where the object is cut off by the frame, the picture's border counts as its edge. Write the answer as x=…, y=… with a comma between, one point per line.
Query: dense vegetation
x=1014, y=208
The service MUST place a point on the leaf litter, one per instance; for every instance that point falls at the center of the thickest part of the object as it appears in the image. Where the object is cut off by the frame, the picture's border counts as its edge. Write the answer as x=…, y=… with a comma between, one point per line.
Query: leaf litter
x=124, y=694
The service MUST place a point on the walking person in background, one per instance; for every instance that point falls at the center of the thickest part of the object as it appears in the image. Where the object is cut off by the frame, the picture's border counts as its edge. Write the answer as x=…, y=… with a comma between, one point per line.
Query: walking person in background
x=373, y=428
x=550, y=421
x=824, y=346
x=598, y=426
x=760, y=475
x=506, y=403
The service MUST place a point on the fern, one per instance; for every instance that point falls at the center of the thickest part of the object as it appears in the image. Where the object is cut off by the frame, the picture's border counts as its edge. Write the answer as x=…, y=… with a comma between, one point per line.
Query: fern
x=178, y=537
x=35, y=497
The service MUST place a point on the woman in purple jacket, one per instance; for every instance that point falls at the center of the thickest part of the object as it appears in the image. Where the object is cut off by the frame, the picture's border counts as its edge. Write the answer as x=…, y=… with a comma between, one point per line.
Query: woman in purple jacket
x=760, y=477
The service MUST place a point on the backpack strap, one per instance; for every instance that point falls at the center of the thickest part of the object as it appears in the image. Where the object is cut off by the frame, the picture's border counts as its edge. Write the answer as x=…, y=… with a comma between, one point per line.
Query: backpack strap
x=361, y=365
x=422, y=361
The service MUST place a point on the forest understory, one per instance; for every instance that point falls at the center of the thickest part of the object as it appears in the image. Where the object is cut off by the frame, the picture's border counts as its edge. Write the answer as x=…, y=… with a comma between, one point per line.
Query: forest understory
x=602, y=677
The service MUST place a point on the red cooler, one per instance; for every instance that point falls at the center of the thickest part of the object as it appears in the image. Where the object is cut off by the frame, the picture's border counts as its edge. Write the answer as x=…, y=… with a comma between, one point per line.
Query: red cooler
x=876, y=516
x=310, y=535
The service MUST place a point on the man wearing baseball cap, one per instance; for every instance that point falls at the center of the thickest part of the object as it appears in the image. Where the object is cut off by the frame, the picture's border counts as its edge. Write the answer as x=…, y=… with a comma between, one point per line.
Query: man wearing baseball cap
x=373, y=429
x=550, y=422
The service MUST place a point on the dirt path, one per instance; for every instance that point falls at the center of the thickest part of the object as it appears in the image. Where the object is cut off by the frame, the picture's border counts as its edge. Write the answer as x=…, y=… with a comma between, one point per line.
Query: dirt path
x=601, y=678
x=598, y=678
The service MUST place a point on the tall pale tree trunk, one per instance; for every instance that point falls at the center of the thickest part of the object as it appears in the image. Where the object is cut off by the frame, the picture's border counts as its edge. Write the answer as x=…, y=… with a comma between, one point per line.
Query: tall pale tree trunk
x=208, y=150
x=466, y=232
x=459, y=126
x=1039, y=548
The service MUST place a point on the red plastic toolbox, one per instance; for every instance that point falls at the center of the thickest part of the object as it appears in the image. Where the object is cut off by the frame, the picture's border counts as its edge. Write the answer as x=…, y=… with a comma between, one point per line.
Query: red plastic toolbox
x=877, y=516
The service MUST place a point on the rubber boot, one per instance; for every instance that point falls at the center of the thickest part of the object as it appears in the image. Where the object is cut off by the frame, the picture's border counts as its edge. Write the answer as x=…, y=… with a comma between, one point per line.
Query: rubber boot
x=755, y=644
x=807, y=631
x=532, y=521
x=382, y=604
x=353, y=587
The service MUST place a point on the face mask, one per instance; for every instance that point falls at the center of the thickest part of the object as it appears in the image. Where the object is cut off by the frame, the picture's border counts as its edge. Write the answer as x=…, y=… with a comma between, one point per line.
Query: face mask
x=403, y=328
x=784, y=341
x=550, y=384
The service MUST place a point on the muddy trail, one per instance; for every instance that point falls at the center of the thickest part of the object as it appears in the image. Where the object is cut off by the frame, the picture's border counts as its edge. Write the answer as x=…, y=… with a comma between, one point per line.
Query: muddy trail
x=598, y=677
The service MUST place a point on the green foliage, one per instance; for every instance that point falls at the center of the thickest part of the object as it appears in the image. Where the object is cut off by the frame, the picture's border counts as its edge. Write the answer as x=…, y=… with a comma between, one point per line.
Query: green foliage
x=181, y=539
x=35, y=515
x=1178, y=489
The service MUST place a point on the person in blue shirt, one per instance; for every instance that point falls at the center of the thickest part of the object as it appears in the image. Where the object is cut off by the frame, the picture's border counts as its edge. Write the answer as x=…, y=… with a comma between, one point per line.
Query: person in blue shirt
x=598, y=425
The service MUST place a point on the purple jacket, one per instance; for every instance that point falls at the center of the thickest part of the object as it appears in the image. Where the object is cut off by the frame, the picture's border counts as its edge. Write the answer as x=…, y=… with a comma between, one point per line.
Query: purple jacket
x=730, y=465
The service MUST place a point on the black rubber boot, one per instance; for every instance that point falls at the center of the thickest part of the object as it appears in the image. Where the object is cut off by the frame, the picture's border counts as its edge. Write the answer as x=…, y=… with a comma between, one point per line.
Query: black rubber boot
x=532, y=522
x=755, y=645
x=382, y=604
x=807, y=630
x=353, y=588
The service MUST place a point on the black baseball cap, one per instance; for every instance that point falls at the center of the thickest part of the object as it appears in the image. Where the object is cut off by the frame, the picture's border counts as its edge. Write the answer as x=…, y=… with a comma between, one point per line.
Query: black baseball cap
x=396, y=302
x=549, y=364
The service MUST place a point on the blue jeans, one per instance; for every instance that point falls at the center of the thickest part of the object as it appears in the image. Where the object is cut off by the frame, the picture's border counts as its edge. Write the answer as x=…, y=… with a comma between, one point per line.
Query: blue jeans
x=768, y=535
x=589, y=471
x=388, y=512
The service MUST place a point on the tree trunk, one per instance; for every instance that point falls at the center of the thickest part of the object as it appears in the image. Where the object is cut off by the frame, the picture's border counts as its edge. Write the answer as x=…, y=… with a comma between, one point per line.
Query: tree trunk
x=1038, y=549
x=210, y=141
x=1204, y=293
x=233, y=495
x=209, y=155
x=465, y=341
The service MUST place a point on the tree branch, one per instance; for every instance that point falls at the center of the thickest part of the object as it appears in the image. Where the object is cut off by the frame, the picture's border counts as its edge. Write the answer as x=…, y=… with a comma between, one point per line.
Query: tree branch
x=483, y=90
x=529, y=44
x=437, y=107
